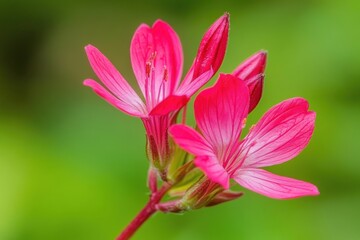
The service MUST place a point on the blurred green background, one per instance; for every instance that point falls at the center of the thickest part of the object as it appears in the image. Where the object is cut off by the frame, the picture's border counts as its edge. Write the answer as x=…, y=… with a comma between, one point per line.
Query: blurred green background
x=73, y=167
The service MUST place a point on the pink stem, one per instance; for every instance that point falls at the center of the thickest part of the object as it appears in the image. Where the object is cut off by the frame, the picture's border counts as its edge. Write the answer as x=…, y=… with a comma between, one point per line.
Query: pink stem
x=145, y=213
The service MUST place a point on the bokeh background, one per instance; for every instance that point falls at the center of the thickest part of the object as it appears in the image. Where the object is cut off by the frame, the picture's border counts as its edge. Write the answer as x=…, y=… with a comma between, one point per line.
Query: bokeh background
x=73, y=167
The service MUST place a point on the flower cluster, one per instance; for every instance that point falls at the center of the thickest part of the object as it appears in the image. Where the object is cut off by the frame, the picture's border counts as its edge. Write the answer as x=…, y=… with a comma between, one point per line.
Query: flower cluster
x=198, y=165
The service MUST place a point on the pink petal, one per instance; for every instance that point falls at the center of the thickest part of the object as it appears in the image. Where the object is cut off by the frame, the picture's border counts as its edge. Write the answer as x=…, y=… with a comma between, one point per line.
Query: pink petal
x=213, y=170
x=157, y=60
x=142, y=45
x=192, y=87
x=190, y=140
x=169, y=104
x=220, y=111
x=113, y=80
x=252, y=66
x=189, y=75
x=211, y=51
x=274, y=186
x=280, y=135
x=169, y=43
x=123, y=106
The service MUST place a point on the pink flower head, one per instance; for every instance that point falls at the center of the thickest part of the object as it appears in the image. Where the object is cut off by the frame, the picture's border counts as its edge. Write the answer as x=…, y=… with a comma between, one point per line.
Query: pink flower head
x=279, y=136
x=157, y=61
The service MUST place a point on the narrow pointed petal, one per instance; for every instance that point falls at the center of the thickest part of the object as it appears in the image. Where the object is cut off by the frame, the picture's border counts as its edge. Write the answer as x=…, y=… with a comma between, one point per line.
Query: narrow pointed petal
x=123, y=106
x=190, y=140
x=252, y=66
x=192, y=87
x=220, y=111
x=213, y=170
x=280, y=135
x=212, y=48
x=157, y=60
x=274, y=186
x=169, y=104
x=113, y=80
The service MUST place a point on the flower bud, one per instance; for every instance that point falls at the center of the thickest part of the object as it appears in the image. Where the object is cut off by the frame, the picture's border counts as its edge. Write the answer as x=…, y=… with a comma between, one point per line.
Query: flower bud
x=204, y=193
x=251, y=71
x=224, y=196
x=212, y=48
x=201, y=194
x=252, y=66
x=255, y=85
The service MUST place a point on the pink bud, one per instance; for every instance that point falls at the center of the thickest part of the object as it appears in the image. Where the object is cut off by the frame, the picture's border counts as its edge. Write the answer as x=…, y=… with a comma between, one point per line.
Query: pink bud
x=255, y=85
x=251, y=71
x=252, y=66
x=212, y=47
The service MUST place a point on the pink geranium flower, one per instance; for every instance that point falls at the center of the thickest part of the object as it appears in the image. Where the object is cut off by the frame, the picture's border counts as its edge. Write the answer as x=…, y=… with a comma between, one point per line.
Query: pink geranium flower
x=157, y=61
x=280, y=135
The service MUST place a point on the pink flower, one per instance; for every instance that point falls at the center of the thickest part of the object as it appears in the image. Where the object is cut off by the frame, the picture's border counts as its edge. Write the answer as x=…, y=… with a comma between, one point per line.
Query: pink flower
x=279, y=136
x=157, y=61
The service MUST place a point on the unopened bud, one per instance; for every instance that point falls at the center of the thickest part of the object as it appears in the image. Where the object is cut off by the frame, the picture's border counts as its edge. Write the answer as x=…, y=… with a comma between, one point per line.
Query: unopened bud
x=255, y=85
x=224, y=196
x=251, y=71
x=200, y=194
x=212, y=48
x=252, y=66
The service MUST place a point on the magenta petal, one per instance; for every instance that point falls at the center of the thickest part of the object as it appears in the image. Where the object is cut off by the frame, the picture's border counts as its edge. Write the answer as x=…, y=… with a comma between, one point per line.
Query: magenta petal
x=169, y=104
x=172, y=54
x=280, y=135
x=189, y=76
x=157, y=60
x=274, y=186
x=190, y=140
x=112, y=79
x=220, y=111
x=189, y=88
x=213, y=170
x=252, y=66
x=212, y=47
x=142, y=45
x=123, y=106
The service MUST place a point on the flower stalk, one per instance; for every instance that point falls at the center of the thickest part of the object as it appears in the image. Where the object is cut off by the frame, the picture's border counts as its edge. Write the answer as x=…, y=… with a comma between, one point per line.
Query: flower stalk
x=145, y=213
